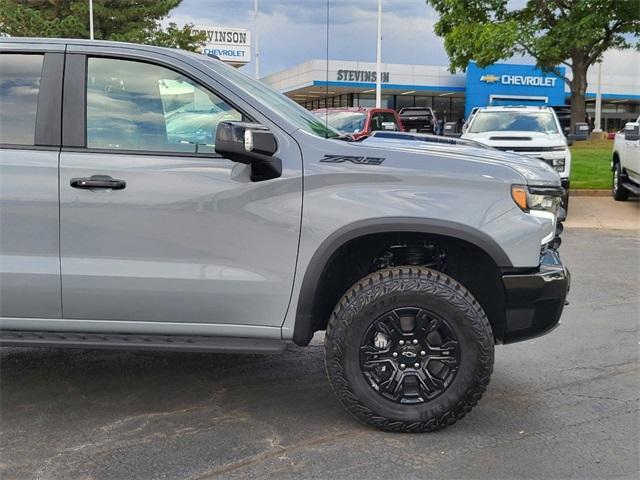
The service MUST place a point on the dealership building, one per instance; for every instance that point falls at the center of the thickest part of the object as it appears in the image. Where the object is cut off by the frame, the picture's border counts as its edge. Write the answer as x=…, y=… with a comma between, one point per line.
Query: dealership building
x=452, y=96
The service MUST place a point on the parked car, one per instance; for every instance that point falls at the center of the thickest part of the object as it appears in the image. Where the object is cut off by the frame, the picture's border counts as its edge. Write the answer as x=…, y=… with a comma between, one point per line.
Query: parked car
x=359, y=122
x=418, y=119
x=625, y=164
x=415, y=260
x=530, y=131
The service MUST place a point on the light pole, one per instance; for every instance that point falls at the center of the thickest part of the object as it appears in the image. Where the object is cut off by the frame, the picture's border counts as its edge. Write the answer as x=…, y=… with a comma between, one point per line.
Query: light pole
x=596, y=126
x=255, y=39
x=379, y=58
x=91, y=19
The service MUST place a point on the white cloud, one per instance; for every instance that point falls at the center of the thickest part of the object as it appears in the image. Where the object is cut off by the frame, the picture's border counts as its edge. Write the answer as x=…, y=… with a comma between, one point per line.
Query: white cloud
x=294, y=31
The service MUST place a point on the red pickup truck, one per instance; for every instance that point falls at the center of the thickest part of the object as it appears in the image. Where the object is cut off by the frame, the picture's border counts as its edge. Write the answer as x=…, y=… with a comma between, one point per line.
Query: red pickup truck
x=359, y=122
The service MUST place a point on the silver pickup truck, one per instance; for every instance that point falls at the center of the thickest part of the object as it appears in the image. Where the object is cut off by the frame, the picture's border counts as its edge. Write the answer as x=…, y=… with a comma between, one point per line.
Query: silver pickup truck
x=159, y=199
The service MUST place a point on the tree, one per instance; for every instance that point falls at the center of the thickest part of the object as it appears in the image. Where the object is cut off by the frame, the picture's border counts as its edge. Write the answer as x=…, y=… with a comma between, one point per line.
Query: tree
x=574, y=33
x=137, y=21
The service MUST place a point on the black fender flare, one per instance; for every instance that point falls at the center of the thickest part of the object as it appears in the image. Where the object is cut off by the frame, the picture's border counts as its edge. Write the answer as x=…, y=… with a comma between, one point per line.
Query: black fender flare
x=304, y=323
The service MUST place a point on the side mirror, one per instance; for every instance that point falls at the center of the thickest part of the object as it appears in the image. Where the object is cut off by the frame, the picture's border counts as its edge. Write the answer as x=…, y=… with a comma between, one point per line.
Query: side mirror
x=388, y=126
x=451, y=129
x=252, y=144
x=632, y=131
x=581, y=132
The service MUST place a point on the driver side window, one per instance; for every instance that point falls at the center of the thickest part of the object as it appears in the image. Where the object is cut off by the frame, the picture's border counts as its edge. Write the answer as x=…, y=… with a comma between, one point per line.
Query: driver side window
x=139, y=106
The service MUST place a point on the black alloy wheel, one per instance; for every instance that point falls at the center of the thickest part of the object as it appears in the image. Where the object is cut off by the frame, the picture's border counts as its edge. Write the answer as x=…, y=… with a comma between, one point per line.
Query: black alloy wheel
x=409, y=355
x=409, y=349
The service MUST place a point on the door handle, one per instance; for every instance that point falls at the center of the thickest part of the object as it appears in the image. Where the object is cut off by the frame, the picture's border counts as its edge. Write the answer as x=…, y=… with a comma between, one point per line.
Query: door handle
x=98, y=181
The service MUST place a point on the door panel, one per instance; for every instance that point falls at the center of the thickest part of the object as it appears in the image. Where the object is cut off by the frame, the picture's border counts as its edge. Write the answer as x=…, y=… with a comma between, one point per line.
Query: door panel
x=29, y=260
x=189, y=238
x=30, y=90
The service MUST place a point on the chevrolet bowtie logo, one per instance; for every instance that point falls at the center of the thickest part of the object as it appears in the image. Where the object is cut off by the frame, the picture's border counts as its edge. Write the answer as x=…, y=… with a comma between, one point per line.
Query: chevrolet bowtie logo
x=489, y=78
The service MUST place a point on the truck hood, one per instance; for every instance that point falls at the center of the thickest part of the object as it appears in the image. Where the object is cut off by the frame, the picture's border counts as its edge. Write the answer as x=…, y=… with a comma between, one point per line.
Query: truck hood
x=533, y=170
x=517, y=139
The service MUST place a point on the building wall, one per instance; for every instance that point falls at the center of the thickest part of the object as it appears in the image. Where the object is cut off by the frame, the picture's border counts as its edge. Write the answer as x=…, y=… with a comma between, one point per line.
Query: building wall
x=423, y=76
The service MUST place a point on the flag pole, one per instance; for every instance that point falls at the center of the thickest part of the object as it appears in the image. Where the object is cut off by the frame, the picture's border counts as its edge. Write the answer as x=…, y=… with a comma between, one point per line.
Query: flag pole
x=91, y=19
x=379, y=58
x=255, y=39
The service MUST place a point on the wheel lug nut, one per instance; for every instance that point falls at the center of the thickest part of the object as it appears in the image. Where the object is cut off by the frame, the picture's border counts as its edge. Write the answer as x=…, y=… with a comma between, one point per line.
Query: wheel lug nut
x=415, y=341
x=401, y=342
x=394, y=354
x=402, y=366
x=423, y=353
x=416, y=365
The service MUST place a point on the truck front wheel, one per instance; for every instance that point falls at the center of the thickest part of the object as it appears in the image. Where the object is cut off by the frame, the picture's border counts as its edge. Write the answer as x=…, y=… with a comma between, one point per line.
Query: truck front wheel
x=409, y=349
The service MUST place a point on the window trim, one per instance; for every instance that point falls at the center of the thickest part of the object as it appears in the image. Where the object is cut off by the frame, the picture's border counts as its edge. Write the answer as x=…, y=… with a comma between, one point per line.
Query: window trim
x=47, y=128
x=75, y=105
x=145, y=153
x=48, y=131
x=74, y=101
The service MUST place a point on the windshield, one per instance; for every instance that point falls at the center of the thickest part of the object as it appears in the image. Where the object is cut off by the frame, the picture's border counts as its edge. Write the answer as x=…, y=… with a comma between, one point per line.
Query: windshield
x=294, y=113
x=348, y=122
x=502, y=121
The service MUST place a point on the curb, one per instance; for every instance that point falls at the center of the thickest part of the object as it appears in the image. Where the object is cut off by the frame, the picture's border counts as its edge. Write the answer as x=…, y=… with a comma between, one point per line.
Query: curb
x=589, y=193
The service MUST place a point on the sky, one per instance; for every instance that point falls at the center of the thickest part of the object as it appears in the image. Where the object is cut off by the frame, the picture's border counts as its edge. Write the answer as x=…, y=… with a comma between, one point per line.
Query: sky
x=294, y=31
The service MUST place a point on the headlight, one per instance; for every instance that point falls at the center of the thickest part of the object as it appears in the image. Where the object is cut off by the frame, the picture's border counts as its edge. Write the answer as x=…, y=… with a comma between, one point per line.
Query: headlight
x=558, y=164
x=541, y=202
x=537, y=198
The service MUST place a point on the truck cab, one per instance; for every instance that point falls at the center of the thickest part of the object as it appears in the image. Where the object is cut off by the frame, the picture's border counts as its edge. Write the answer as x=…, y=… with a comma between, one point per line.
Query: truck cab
x=152, y=198
x=625, y=163
x=360, y=122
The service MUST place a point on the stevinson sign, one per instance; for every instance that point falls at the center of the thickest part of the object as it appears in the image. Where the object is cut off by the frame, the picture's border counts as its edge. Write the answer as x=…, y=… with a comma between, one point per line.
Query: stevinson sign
x=368, y=76
x=523, y=80
x=231, y=45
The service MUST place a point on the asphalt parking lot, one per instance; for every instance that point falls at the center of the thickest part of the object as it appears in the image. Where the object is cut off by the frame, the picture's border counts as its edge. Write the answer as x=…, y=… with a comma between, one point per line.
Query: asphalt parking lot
x=561, y=406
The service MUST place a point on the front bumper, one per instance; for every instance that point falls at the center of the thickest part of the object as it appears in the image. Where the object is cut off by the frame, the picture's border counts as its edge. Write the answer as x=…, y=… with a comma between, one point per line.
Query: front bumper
x=534, y=301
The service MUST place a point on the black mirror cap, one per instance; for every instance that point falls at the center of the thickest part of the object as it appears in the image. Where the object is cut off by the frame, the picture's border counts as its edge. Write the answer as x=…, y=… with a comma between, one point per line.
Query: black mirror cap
x=632, y=131
x=231, y=141
x=251, y=144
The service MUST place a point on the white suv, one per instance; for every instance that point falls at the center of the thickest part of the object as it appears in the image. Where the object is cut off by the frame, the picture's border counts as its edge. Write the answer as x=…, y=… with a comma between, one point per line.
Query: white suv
x=530, y=131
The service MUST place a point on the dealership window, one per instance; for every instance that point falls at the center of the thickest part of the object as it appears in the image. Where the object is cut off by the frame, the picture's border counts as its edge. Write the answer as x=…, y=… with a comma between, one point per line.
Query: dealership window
x=423, y=101
x=442, y=108
x=457, y=108
x=138, y=106
x=19, y=87
x=403, y=101
x=365, y=100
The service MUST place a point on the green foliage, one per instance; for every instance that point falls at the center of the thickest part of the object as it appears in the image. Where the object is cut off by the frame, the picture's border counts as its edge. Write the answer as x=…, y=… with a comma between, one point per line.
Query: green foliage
x=137, y=21
x=571, y=32
x=552, y=31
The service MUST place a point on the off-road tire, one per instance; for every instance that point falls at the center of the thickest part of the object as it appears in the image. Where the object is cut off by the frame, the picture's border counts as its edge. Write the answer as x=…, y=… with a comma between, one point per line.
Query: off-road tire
x=419, y=287
x=619, y=192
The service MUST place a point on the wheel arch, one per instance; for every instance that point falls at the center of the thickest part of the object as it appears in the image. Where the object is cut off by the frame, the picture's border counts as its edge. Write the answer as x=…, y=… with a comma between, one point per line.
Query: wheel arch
x=307, y=321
